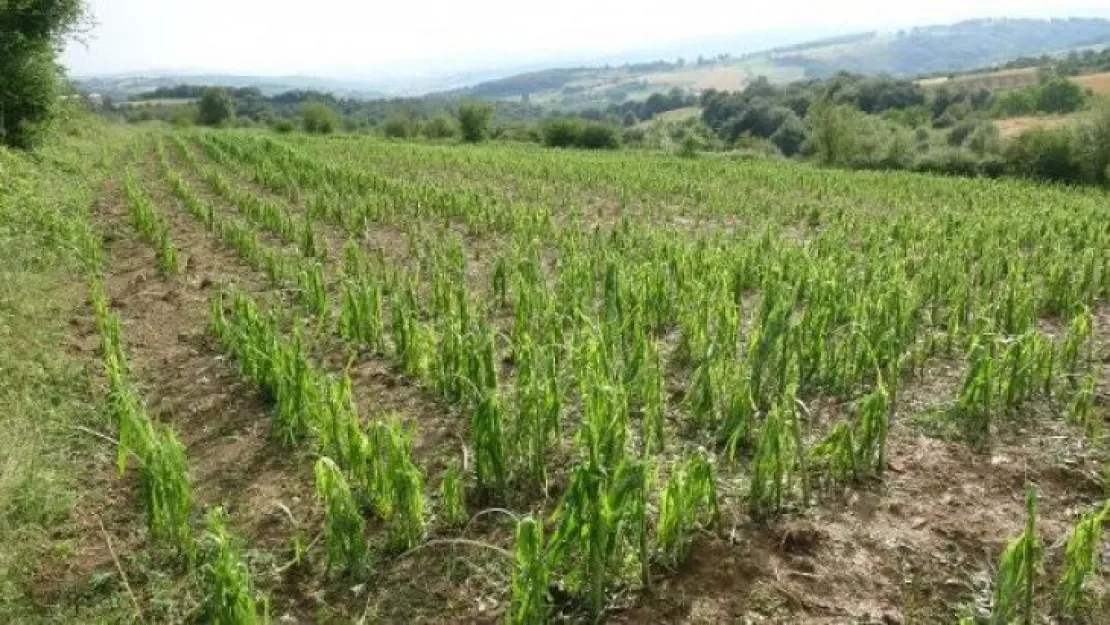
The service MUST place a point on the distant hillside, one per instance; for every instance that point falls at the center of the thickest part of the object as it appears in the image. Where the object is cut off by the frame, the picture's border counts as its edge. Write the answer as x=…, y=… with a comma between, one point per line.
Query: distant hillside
x=914, y=52
x=125, y=86
x=932, y=50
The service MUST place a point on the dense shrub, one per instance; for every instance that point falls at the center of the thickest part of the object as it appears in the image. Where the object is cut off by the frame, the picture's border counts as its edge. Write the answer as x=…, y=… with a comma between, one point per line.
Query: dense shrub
x=215, y=107
x=961, y=131
x=561, y=132
x=518, y=131
x=1059, y=95
x=566, y=132
x=183, y=116
x=790, y=135
x=689, y=147
x=318, y=118
x=1044, y=153
x=949, y=161
x=984, y=140
x=633, y=136
x=284, y=126
x=440, y=127
x=397, y=126
x=474, y=120
x=1093, y=144
x=598, y=136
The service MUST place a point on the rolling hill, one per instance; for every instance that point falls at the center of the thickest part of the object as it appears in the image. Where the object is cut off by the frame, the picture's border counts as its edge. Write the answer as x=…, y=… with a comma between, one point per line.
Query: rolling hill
x=913, y=52
x=924, y=51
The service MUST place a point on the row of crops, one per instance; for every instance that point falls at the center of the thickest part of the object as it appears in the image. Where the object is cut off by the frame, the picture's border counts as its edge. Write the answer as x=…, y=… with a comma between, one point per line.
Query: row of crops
x=212, y=555
x=621, y=376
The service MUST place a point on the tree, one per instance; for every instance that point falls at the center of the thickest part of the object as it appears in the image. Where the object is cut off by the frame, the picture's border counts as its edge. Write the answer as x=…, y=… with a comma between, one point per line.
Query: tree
x=317, y=118
x=31, y=35
x=215, y=107
x=474, y=119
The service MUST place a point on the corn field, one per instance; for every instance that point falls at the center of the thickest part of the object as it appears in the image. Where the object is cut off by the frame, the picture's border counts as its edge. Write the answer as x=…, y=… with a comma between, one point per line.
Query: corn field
x=630, y=359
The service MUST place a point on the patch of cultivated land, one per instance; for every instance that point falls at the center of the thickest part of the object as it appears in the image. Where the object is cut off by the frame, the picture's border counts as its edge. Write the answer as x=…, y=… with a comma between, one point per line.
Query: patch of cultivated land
x=1099, y=83
x=671, y=390
x=1013, y=126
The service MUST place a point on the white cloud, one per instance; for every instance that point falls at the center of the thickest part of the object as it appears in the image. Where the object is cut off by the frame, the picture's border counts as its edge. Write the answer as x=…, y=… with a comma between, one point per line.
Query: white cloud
x=376, y=38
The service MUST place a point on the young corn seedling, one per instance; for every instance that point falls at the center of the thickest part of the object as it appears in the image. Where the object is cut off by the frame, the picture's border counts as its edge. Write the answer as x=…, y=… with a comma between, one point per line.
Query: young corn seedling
x=360, y=317
x=689, y=501
x=451, y=492
x=872, y=431
x=1081, y=559
x=313, y=293
x=166, y=252
x=397, y=483
x=343, y=523
x=538, y=408
x=231, y=598
x=976, y=399
x=773, y=466
x=529, y=604
x=1078, y=345
x=835, y=456
x=1017, y=571
x=165, y=484
x=491, y=465
x=599, y=520
x=1081, y=411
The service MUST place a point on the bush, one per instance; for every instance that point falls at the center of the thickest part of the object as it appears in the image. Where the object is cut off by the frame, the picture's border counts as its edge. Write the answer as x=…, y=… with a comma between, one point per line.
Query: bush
x=284, y=126
x=633, y=136
x=440, y=127
x=1060, y=95
x=946, y=120
x=948, y=161
x=1015, y=102
x=1047, y=154
x=318, y=118
x=960, y=132
x=561, y=132
x=474, y=120
x=518, y=131
x=183, y=116
x=984, y=140
x=790, y=136
x=215, y=107
x=689, y=147
x=1093, y=144
x=397, y=126
x=351, y=124
x=598, y=136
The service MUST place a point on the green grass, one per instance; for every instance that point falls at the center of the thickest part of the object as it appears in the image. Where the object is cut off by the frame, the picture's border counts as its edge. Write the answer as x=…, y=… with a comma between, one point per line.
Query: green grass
x=44, y=389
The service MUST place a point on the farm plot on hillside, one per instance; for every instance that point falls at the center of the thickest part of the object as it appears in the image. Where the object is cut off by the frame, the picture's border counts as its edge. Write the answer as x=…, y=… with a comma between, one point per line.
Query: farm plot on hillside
x=476, y=384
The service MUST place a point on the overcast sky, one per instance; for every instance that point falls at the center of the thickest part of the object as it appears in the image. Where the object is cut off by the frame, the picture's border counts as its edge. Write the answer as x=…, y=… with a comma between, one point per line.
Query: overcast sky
x=367, y=38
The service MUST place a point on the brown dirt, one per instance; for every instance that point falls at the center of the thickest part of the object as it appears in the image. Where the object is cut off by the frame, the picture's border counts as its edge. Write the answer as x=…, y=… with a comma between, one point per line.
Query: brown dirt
x=907, y=550
x=1099, y=83
x=1013, y=126
x=379, y=388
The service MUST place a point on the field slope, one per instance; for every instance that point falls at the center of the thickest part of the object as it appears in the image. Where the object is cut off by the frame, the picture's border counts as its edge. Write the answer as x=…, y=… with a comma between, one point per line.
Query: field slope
x=440, y=383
